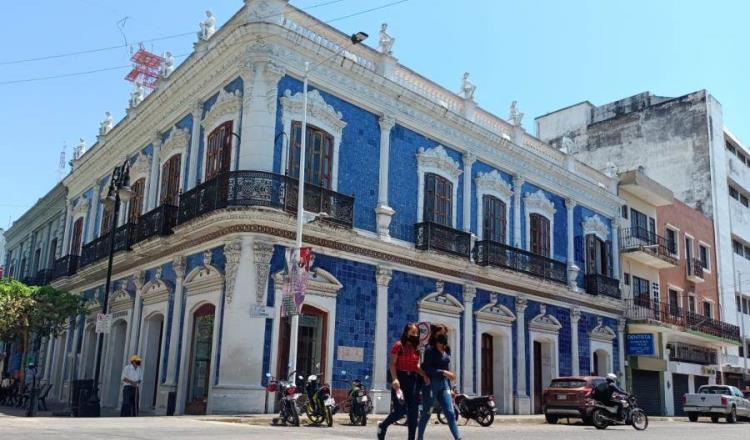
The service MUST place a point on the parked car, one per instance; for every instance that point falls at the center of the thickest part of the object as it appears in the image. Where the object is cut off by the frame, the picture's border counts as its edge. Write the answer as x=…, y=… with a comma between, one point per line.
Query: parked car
x=570, y=397
x=716, y=401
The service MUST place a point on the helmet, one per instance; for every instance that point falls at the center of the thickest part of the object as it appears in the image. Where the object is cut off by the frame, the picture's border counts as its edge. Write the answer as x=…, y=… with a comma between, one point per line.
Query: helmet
x=135, y=358
x=611, y=377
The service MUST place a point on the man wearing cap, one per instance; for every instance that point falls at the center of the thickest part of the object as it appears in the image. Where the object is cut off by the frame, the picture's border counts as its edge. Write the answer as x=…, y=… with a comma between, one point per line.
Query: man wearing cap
x=132, y=376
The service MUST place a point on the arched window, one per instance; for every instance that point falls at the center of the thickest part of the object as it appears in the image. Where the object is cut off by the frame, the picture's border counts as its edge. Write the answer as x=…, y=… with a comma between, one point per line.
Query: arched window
x=494, y=221
x=438, y=200
x=75, y=243
x=539, y=235
x=319, y=158
x=170, y=180
x=136, y=200
x=219, y=150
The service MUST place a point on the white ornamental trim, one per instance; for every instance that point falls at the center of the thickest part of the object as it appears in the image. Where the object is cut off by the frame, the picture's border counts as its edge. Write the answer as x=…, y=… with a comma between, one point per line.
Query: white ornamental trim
x=544, y=322
x=226, y=107
x=81, y=207
x=439, y=159
x=601, y=332
x=205, y=278
x=140, y=168
x=155, y=291
x=441, y=303
x=594, y=225
x=493, y=312
x=492, y=184
x=176, y=143
x=539, y=203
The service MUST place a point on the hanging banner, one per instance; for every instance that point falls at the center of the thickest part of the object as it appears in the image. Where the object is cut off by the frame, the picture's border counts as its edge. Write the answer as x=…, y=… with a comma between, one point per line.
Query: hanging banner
x=295, y=283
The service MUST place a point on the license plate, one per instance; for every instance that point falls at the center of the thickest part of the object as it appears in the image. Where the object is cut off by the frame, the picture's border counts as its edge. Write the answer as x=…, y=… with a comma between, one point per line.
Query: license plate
x=562, y=397
x=330, y=401
x=362, y=399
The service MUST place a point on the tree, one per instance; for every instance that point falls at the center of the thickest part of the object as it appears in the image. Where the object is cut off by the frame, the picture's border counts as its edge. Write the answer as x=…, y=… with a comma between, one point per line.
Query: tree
x=27, y=311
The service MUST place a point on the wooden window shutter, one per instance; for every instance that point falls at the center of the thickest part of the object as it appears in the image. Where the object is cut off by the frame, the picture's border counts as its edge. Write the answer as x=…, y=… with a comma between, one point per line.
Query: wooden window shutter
x=429, y=198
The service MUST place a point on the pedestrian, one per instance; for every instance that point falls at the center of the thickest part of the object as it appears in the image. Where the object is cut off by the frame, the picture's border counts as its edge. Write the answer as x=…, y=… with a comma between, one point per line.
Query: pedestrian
x=406, y=380
x=436, y=364
x=5, y=387
x=132, y=376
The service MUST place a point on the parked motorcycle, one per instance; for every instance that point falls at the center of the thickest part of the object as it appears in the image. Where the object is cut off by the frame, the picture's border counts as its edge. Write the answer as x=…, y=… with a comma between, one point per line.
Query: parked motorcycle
x=320, y=404
x=480, y=408
x=357, y=402
x=438, y=409
x=288, y=402
x=603, y=416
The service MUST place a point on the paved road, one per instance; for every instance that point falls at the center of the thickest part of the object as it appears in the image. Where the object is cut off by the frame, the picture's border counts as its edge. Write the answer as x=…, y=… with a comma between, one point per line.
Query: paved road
x=163, y=428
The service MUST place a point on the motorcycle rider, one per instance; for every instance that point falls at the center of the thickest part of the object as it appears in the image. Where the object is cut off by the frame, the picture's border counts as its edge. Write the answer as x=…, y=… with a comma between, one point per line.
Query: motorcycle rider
x=605, y=391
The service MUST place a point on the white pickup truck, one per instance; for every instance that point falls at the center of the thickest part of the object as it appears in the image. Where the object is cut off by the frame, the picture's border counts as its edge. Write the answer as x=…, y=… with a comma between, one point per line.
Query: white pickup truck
x=716, y=401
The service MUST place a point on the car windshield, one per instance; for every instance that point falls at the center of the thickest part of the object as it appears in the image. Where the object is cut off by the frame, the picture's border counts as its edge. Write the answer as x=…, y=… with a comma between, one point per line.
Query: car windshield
x=714, y=390
x=568, y=383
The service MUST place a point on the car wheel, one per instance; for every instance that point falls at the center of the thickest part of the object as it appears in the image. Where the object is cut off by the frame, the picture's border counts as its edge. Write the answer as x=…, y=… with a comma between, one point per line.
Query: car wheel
x=714, y=419
x=587, y=420
x=552, y=420
x=693, y=417
x=732, y=417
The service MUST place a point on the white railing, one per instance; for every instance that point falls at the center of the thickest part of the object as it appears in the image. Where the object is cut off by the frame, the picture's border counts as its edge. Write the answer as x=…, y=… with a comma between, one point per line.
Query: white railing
x=427, y=89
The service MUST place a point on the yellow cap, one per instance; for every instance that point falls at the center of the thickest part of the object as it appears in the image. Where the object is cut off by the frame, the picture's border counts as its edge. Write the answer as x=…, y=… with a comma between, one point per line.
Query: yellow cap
x=135, y=358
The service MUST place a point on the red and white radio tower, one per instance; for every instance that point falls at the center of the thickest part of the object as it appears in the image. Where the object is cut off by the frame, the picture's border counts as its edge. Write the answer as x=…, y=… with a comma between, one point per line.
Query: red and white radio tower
x=146, y=68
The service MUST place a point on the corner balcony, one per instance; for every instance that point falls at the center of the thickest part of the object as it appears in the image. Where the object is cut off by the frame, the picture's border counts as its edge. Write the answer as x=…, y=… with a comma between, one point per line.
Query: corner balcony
x=646, y=247
x=99, y=248
x=65, y=266
x=157, y=222
x=695, y=271
x=649, y=311
x=602, y=285
x=433, y=236
x=240, y=189
x=492, y=253
x=693, y=354
x=43, y=277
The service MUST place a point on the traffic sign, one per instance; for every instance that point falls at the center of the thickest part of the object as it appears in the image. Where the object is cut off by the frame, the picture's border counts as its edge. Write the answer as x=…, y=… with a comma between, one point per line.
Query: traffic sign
x=103, y=323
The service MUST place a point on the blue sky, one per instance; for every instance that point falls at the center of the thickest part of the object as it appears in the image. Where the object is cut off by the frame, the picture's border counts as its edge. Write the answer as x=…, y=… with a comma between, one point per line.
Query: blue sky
x=546, y=54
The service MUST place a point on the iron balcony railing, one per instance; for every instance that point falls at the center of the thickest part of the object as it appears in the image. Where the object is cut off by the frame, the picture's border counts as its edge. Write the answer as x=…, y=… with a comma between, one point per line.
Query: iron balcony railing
x=695, y=268
x=43, y=277
x=602, y=285
x=261, y=188
x=99, y=248
x=156, y=222
x=65, y=266
x=637, y=238
x=433, y=236
x=681, y=352
x=644, y=308
x=492, y=253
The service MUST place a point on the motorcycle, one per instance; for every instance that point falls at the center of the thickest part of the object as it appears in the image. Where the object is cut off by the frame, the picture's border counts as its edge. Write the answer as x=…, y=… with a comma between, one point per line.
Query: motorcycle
x=438, y=409
x=288, y=391
x=603, y=416
x=320, y=405
x=480, y=408
x=357, y=402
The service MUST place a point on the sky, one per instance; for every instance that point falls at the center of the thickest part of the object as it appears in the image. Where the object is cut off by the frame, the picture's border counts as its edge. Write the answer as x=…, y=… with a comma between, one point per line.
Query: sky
x=546, y=54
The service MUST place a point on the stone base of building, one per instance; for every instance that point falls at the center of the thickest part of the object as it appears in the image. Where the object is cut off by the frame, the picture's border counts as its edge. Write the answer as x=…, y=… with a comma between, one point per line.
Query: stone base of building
x=381, y=401
x=237, y=399
x=522, y=405
x=162, y=399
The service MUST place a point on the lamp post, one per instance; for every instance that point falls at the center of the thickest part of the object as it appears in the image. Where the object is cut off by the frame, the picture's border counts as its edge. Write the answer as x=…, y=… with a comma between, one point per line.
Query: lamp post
x=355, y=39
x=119, y=191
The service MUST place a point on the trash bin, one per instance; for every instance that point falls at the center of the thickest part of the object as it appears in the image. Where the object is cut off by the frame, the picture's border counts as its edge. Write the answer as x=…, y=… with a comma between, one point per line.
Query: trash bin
x=82, y=390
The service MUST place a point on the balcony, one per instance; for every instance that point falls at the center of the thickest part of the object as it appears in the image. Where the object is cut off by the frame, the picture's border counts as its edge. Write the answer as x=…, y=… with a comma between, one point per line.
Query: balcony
x=433, y=236
x=65, y=266
x=43, y=277
x=652, y=311
x=681, y=352
x=695, y=271
x=491, y=253
x=646, y=247
x=237, y=189
x=156, y=222
x=602, y=285
x=99, y=248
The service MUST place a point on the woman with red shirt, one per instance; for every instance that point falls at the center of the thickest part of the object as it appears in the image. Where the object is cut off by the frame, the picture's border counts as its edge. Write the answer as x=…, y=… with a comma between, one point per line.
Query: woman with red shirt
x=407, y=379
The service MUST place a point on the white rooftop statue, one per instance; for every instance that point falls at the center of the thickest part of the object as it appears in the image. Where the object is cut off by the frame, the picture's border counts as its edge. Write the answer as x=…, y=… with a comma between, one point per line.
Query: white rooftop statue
x=168, y=67
x=208, y=27
x=467, y=88
x=138, y=94
x=610, y=170
x=515, y=117
x=385, y=45
x=106, y=124
x=567, y=145
x=79, y=149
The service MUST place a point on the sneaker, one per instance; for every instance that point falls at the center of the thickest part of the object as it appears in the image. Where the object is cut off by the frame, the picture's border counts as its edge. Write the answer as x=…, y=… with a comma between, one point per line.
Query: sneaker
x=381, y=432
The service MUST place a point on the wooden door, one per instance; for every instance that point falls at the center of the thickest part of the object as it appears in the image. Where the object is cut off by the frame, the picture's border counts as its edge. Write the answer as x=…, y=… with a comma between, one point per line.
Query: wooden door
x=75, y=243
x=170, y=181
x=136, y=201
x=488, y=385
x=537, y=374
x=539, y=240
x=219, y=151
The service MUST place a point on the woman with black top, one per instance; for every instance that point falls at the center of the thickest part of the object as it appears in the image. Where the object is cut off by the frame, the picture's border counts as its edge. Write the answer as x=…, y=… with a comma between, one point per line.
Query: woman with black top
x=436, y=364
x=407, y=378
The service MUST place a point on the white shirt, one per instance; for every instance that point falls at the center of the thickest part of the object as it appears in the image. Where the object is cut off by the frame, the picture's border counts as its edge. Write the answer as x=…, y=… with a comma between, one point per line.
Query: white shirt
x=132, y=373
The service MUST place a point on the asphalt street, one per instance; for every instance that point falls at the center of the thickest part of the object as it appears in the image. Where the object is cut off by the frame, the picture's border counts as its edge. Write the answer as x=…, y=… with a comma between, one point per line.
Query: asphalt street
x=192, y=428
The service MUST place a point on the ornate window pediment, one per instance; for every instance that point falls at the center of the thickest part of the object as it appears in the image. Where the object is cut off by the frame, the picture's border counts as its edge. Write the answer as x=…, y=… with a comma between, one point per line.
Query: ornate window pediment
x=602, y=332
x=177, y=142
x=93, y=306
x=493, y=312
x=322, y=282
x=141, y=167
x=539, y=203
x=81, y=206
x=121, y=300
x=441, y=303
x=156, y=290
x=438, y=160
x=319, y=113
x=204, y=278
x=226, y=107
x=544, y=322
x=493, y=183
x=594, y=225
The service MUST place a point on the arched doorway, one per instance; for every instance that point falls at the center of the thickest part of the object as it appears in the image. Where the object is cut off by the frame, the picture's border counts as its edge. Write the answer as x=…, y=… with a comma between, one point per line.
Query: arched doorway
x=312, y=343
x=116, y=345
x=543, y=373
x=152, y=342
x=201, y=352
x=89, y=356
x=600, y=363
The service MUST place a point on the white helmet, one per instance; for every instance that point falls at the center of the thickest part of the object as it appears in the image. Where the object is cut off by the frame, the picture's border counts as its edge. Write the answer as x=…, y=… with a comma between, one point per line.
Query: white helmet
x=612, y=377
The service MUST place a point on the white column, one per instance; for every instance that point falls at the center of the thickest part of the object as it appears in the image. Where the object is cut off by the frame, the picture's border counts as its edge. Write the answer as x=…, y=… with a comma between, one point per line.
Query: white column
x=66, y=229
x=616, y=248
x=178, y=264
x=195, y=139
x=468, y=370
x=518, y=182
x=383, y=212
x=135, y=322
x=94, y=209
x=48, y=358
x=468, y=160
x=621, y=351
x=258, y=127
x=153, y=178
x=522, y=402
x=573, y=269
x=575, y=316
x=380, y=392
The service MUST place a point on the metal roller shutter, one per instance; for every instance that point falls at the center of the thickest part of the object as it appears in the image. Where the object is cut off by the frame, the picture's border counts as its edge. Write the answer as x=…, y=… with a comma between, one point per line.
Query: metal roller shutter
x=700, y=380
x=646, y=391
x=679, y=389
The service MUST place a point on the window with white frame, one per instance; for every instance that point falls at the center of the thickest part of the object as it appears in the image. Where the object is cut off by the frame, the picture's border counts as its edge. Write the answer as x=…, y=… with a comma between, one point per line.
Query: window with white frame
x=437, y=173
x=494, y=196
x=540, y=217
x=704, y=256
x=672, y=242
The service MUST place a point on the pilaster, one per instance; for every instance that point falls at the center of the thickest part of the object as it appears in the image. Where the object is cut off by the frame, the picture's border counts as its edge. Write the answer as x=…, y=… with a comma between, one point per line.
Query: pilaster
x=468, y=161
x=153, y=178
x=621, y=351
x=195, y=139
x=469, y=293
x=381, y=393
x=575, y=316
x=518, y=182
x=522, y=402
x=178, y=265
x=383, y=212
x=573, y=269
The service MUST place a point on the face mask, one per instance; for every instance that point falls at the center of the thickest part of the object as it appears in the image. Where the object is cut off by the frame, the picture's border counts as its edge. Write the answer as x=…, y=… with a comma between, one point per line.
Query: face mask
x=441, y=339
x=414, y=340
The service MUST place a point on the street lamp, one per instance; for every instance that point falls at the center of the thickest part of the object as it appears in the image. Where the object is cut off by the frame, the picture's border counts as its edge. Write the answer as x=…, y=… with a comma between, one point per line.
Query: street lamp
x=119, y=191
x=354, y=39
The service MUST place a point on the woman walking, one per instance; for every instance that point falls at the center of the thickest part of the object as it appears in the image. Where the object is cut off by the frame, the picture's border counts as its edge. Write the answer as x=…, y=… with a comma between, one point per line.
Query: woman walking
x=436, y=364
x=406, y=381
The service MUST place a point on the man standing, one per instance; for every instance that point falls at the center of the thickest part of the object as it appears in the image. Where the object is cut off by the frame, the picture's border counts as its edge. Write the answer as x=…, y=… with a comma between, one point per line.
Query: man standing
x=132, y=376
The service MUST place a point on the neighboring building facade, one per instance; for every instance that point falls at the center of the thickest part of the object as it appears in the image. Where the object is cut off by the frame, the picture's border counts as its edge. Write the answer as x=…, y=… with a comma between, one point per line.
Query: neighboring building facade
x=681, y=143
x=436, y=211
x=2, y=252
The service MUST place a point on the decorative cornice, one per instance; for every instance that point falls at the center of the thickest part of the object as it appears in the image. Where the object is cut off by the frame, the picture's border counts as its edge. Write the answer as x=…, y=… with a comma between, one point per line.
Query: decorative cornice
x=81, y=206
x=227, y=106
x=383, y=276
x=141, y=167
x=441, y=302
x=493, y=182
x=601, y=332
x=155, y=291
x=387, y=121
x=575, y=315
x=178, y=264
x=263, y=252
x=120, y=300
x=544, y=322
x=539, y=202
x=493, y=312
x=594, y=225
x=469, y=293
x=93, y=305
x=178, y=141
x=438, y=158
x=317, y=109
x=204, y=278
